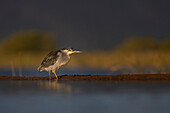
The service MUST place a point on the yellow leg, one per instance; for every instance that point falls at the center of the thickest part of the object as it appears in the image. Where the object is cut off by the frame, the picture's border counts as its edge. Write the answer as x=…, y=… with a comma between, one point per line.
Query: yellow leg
x=49, y=75
x=55, y=75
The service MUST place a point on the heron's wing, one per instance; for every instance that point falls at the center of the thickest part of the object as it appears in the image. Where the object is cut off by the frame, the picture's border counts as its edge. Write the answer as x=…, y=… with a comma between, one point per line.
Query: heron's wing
x=50, y=59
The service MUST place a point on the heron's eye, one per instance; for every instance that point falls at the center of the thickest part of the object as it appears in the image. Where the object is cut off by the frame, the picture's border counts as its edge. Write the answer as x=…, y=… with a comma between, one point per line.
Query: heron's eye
x=70, y=49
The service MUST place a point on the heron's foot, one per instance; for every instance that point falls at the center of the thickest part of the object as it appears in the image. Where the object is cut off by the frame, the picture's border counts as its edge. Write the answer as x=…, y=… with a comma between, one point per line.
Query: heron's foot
x=56, y=78
x=49, y=78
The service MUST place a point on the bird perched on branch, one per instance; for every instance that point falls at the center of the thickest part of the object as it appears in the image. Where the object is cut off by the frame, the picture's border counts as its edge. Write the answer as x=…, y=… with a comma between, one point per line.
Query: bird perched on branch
x=55, y=59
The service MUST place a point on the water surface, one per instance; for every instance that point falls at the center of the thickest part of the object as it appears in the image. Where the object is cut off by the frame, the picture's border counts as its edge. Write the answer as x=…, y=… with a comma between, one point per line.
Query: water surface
x=84, y=97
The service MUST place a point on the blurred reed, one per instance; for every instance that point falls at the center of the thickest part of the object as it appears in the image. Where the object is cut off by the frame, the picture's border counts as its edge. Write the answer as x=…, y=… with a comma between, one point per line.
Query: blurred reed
x=19, y=65
x=134, y=61
x=13, y=69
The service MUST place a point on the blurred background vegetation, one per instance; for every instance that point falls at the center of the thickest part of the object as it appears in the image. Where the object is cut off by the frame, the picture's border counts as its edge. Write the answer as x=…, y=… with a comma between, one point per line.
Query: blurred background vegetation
x=28, y=48
x=28, y=41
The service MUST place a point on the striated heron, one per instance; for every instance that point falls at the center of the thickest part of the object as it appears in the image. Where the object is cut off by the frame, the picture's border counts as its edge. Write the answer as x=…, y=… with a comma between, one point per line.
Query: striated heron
x=55, y=59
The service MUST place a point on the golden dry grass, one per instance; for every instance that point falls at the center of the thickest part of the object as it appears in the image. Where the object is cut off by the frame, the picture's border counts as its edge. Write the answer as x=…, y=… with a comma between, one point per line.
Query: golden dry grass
x=119, y=60
x=109, y=60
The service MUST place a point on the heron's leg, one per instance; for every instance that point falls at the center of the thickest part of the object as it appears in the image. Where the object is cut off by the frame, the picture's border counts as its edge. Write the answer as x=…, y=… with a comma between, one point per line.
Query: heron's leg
x=55, y=75
x=49, y=74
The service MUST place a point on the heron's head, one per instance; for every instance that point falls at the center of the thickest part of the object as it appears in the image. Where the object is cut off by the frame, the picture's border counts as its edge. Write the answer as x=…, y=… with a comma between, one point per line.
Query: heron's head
x=70, y=51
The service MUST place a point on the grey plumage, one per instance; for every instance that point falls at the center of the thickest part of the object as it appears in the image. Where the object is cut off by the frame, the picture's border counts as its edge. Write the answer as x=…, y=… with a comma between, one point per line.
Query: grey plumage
x=59, y=57
x=50, y=59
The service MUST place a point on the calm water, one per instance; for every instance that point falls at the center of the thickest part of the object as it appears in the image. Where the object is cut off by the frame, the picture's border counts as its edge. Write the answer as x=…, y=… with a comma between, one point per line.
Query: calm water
x=64, y=71
x=84, y=97
x=80, y=96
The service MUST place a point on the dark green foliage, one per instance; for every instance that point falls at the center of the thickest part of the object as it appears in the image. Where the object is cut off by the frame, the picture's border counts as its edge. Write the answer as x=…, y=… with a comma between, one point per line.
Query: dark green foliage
x=165, y=46
x=138, y=44
x=28, y=41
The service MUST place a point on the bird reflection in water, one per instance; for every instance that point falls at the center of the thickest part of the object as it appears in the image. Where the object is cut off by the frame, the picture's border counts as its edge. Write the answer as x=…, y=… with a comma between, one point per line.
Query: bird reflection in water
x=56, y=86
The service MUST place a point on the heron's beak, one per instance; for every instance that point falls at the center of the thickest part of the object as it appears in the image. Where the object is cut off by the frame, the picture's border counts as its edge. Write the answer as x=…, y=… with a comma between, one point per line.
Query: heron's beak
x=77, y=51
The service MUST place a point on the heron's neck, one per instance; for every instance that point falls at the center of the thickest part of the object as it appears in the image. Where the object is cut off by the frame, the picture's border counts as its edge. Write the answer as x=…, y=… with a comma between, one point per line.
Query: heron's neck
x=66, y=53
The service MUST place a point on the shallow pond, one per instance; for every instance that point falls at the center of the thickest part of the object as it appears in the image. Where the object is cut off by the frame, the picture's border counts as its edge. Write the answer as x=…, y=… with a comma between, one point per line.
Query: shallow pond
x=84, y=97
x=81, y=96
x=65, y=71
x=34, y=72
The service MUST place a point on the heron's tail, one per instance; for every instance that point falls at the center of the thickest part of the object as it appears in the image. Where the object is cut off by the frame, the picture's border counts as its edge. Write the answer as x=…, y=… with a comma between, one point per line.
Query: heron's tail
x=39, y=68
